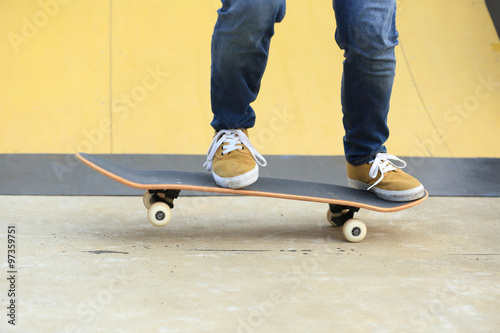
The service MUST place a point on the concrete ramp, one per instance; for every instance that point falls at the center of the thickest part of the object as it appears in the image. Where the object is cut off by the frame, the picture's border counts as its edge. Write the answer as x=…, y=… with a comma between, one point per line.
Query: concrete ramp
x=133, y=77
x=446, y=98
x=447, y=95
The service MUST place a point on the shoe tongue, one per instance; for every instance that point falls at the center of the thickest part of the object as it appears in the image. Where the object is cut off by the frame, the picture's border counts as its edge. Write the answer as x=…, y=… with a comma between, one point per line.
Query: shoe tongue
x=388, y=166
x=232, y=142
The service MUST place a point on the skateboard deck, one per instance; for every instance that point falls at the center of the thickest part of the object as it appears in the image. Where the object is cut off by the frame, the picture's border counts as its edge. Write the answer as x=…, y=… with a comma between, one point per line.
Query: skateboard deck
x=163, y=186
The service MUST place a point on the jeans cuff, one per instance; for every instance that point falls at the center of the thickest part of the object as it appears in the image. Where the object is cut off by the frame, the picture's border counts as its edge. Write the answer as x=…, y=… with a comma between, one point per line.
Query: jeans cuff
x=365, y=160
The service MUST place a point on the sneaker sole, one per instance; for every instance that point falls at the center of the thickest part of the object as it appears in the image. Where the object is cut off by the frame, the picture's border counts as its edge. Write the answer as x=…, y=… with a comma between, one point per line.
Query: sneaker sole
x=407, y=195
x=238, y=181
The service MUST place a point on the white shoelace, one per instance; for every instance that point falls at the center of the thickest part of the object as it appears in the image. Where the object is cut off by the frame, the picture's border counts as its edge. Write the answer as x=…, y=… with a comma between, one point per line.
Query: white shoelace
x=232, y=139
x=383, y=164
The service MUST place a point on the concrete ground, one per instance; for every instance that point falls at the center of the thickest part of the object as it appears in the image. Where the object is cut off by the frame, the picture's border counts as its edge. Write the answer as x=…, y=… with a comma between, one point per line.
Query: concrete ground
x=242, y=264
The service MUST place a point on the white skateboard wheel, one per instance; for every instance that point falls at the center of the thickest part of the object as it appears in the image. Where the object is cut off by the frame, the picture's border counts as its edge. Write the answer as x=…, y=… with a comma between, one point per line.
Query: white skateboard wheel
x=146, y=199
x=159, y=214
x=354, y=230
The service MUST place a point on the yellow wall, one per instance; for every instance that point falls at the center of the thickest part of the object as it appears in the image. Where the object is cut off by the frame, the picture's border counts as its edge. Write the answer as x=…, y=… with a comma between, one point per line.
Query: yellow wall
x=132, y=76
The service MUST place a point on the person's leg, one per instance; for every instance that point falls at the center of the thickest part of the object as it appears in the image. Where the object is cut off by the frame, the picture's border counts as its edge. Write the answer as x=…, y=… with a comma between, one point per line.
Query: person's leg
x=240, y=48
x=366, y=31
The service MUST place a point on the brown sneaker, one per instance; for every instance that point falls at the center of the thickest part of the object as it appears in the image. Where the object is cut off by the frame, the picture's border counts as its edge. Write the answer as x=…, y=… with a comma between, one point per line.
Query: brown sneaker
x=233, y=160
x=385, y=179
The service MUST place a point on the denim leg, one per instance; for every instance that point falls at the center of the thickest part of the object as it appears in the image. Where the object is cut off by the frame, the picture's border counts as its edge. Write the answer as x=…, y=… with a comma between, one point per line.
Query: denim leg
x=366, y=31
x=240, y=48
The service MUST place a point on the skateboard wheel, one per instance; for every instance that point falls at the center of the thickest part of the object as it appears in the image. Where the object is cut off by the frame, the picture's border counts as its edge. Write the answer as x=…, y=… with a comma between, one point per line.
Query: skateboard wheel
x=354, y=230
x=147, y=199
x=159, y=214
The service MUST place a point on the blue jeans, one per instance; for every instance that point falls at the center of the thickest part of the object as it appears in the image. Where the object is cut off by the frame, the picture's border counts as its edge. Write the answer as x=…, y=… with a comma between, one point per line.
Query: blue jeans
x=366, y=31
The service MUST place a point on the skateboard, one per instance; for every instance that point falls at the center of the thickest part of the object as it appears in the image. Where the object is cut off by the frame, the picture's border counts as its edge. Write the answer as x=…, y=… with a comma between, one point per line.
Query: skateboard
x=163, y=187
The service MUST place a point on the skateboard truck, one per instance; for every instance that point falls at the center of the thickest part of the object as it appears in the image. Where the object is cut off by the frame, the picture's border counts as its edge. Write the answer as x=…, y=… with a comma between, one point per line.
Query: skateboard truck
x=159, y=204
x=354, y=230
x=338, y=215
x=166, y=196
